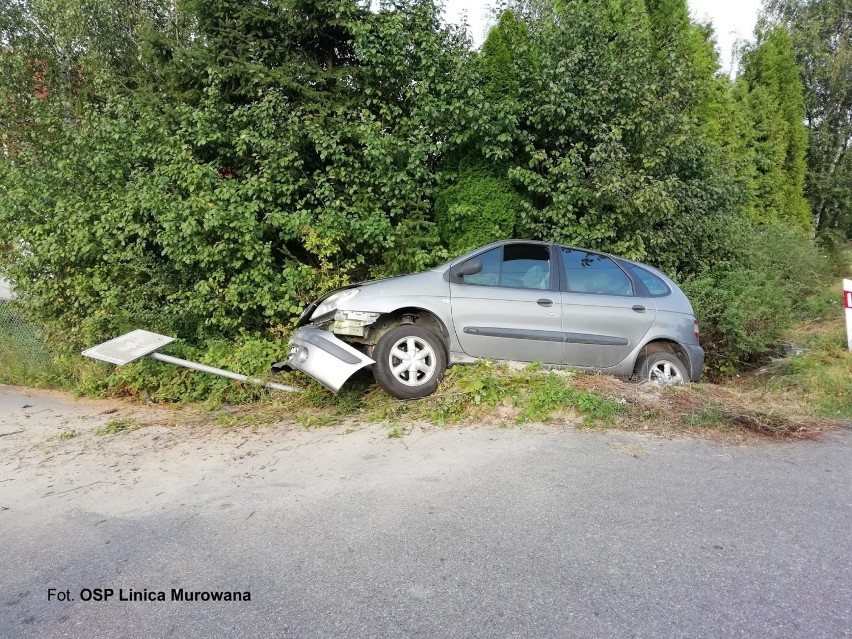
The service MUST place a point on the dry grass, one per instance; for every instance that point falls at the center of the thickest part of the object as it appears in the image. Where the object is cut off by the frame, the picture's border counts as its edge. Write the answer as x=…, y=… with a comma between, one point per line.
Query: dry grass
x=709, y=409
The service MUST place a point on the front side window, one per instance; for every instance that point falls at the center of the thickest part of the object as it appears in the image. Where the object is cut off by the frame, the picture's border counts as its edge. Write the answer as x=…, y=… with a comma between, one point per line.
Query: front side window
x=592, y=273
x=513, y=266
x=526, y=266
x=490, y=273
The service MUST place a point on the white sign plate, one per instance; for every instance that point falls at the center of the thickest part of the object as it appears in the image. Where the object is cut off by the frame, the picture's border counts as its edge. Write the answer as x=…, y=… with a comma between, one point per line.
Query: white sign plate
x=128, y=347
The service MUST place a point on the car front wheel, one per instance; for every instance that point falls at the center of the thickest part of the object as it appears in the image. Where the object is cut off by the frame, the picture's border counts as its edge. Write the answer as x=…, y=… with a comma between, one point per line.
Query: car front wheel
x=410, y=362
x=663, y=369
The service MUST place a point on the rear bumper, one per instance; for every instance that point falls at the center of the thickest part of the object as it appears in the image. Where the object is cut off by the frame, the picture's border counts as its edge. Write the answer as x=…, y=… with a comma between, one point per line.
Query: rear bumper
x=696, y=361
x=324, y=357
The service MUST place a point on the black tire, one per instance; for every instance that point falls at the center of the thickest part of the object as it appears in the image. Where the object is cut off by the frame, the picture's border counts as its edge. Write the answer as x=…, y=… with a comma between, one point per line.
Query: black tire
x=662, y=368
x=426, y=369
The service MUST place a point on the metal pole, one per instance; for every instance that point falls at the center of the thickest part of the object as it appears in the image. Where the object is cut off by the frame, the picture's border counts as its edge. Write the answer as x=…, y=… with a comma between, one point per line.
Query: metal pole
x=223, y=373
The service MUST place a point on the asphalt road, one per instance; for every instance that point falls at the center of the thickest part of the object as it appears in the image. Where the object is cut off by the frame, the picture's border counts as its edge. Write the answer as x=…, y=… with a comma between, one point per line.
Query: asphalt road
x=475, y=532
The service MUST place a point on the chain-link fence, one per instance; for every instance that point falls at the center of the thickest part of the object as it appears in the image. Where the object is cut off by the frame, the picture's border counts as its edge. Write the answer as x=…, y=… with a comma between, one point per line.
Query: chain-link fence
x=21, y=343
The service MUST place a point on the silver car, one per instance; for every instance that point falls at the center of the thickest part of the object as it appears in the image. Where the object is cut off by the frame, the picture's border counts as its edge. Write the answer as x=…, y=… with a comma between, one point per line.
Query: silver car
x=512, y=300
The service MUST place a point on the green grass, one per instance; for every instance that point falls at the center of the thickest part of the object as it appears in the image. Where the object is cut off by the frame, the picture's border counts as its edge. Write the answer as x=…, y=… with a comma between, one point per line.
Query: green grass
x=823, y=374
x=546, y=394
x=483, y=393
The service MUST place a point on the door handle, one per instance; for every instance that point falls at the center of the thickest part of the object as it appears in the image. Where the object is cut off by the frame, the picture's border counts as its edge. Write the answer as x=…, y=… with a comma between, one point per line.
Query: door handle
x=639, y=308
x=544, y=302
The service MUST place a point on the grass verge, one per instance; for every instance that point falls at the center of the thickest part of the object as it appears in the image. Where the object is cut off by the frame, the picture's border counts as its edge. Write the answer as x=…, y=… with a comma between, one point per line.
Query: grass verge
x=503, y=396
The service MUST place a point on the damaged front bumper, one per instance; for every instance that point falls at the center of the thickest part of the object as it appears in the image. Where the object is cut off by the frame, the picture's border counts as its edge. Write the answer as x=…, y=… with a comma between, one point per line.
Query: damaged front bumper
x=324, y=357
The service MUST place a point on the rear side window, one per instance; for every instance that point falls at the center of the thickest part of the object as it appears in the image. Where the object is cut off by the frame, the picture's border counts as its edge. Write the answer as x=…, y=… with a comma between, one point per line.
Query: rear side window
x=593, y=273
x=656, y=286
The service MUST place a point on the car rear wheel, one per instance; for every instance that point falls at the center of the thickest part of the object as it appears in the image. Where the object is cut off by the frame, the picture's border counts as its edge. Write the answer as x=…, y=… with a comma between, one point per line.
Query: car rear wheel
x=663, y=369
x=410, y=362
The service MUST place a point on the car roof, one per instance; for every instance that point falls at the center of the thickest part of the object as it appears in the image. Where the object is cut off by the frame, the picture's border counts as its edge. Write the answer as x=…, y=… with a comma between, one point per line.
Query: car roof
x=538, y=242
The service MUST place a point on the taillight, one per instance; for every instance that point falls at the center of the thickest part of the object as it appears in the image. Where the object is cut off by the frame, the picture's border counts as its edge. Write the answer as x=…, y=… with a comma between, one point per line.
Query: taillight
x=697, y=332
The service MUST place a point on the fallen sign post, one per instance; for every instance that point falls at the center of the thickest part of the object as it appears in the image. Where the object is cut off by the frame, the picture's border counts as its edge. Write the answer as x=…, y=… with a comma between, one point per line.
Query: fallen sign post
x=847, y=302
x=137, y=344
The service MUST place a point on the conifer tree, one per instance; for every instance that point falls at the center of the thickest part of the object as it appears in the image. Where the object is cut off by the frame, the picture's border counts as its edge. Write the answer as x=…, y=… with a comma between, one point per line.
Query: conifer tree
x=779, y=138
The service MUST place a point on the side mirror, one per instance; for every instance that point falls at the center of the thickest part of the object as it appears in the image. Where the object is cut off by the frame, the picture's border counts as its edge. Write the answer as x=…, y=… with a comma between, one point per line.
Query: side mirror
x=471, y=267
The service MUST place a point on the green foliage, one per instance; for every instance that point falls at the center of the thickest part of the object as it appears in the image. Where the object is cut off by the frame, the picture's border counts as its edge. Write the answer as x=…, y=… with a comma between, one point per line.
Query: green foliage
x=207, y=168
x=822, y=41
x=550, y=393
x=159, y=382
x=506, y=49
x=225, y=189
x=530, y=395
x=481, y=207
x=778, y=137
x=744, y=308
x=602, y=139
x=741, y=315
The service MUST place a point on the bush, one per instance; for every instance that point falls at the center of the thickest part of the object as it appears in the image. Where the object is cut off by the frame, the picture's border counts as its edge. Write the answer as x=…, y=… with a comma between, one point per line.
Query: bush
x=481, y=207
x=790, y=258
x=833, y=244
x=743, y=308
x=741, y=313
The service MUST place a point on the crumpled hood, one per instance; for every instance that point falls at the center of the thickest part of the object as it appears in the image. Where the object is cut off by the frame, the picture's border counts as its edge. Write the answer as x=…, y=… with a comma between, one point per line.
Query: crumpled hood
x=381, y=295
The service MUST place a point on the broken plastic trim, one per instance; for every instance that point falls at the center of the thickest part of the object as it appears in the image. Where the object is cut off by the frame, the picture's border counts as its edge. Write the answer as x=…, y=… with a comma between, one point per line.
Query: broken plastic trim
x=324, y=357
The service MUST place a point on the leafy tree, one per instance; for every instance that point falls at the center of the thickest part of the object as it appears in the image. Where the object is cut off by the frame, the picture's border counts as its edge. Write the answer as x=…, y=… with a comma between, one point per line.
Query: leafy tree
x=821, y=32
x=265, y=152
x=595, y=108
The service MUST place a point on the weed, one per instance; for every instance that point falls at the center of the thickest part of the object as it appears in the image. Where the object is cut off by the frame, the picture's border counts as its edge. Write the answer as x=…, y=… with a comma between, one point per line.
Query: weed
x=708, y=416
x=825, y=304
x=313, y=420
x=68, y=433
x=227, y=421
x=481, y=384
x=115, y=426
x=242, y=418
x=395, y=432
x=552, y=392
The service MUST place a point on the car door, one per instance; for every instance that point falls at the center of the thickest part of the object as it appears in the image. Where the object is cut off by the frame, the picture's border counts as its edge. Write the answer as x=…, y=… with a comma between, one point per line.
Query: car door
x=603, y=316
x=509, y=309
